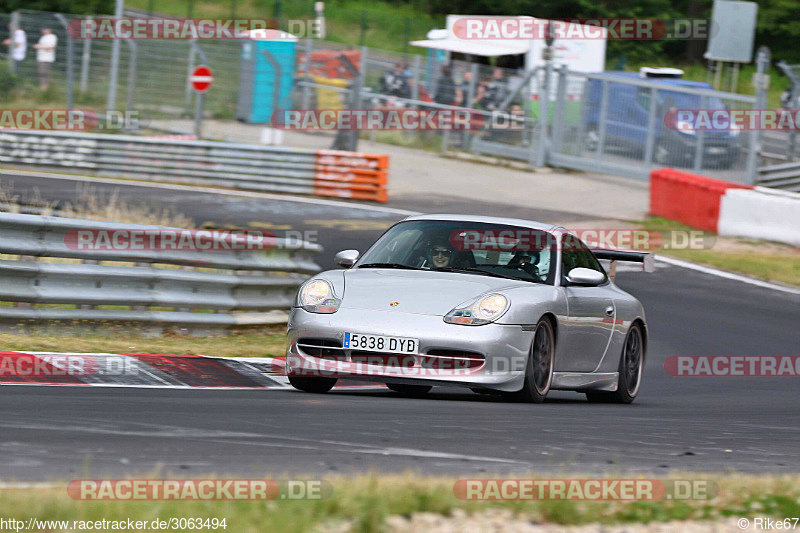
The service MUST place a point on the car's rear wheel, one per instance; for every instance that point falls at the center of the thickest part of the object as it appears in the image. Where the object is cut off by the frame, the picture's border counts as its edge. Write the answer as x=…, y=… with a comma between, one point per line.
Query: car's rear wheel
x=317, y=385
x=631, y=365
x=410, y=390
x=539, y=368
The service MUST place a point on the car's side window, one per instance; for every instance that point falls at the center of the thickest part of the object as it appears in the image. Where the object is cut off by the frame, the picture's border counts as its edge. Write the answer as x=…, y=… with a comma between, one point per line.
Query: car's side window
x=575, y=254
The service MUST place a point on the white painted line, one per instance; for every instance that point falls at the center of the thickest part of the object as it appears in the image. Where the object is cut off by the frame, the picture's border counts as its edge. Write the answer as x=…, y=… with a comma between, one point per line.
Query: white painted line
x=194, y=188
x=727, y=275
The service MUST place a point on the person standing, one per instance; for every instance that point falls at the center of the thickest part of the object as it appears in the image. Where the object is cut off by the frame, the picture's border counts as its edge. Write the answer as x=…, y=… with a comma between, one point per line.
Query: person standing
x=46, y=56
x=19, y=44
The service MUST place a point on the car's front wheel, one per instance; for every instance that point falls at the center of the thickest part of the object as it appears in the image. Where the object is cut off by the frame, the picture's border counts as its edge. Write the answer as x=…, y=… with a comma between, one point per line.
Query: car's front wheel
x=409, y=390
x=317, y=385
x=539, y=368
x=631, y=366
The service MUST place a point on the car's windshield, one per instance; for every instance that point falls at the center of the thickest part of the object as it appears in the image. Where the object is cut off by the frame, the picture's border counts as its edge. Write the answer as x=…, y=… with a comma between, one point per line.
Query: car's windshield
x=498, y=250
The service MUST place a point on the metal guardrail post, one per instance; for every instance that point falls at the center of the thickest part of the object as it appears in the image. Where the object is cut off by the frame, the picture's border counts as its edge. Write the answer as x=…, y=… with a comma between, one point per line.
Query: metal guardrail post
x=762, y=64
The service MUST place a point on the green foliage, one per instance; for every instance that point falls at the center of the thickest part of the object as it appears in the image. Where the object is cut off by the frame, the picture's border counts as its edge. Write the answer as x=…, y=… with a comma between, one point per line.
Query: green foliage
x=7, y=81
x=59, y=6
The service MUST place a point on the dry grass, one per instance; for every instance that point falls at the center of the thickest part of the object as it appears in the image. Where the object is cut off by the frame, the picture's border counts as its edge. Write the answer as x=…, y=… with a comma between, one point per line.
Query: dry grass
x=365, y=502
x=271, y=342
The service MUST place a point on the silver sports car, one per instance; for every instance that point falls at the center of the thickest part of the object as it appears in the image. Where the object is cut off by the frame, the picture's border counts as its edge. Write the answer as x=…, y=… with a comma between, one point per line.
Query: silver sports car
x=498, y=305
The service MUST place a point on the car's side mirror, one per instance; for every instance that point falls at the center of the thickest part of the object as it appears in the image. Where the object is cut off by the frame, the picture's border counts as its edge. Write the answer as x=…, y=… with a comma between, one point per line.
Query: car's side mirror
x=585, y=277
x=346, y=258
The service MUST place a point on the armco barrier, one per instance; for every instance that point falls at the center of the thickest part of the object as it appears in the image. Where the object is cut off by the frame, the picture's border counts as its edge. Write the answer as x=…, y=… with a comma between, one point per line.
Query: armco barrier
x=253, y=167
x=688, y=198
x=195, y=290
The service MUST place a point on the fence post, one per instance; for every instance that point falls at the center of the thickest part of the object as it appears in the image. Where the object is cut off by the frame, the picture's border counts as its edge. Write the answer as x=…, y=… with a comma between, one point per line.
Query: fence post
x=112, y=79
x=544, y=111
x=762, y=64
x=14, y=25
x=70, y=63
x=86, y=57
x=558, y=111
x=306, y=101
x=650, y=142
x=701, y=137
x=132, y=58
x=601, y=134
x=188, y=102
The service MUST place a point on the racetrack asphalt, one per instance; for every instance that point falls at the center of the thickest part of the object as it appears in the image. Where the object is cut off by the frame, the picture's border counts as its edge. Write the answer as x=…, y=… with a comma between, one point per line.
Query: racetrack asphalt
x=677, y=423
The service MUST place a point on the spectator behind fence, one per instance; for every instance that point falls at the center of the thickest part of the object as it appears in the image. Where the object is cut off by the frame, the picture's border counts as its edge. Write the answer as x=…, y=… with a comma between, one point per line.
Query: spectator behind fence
x=446, y=88
x=395, y=82
x=496, y=90
x=46, y=56
x=19, y=44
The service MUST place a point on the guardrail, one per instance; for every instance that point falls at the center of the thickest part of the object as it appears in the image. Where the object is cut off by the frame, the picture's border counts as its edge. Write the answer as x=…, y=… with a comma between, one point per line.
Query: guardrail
x=193, y=290
x=252, y=167
x=785, y=176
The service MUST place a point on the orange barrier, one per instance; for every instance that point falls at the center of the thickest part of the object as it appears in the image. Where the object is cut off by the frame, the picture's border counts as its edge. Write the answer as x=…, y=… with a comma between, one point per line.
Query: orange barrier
x=353, y=175
x=688, y=198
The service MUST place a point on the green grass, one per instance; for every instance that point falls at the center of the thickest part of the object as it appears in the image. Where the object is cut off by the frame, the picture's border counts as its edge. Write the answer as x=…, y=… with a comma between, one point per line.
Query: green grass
x=269, y=343
x=768, y=261
x=363, y=503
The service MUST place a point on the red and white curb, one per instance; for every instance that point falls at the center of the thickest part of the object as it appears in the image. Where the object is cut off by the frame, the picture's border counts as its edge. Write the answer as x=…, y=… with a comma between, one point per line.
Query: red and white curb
x=148, y=371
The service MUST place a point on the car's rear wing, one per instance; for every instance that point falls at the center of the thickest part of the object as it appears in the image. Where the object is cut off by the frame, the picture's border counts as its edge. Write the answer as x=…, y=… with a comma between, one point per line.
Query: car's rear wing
x=647, y=260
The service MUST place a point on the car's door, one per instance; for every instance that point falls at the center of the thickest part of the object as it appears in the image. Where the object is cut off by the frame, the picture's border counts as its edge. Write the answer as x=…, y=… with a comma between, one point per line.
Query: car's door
x=591, y=312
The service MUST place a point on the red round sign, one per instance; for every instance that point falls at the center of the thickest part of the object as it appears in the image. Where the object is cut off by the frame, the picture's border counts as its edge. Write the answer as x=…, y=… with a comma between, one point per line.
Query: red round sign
x=201, y=79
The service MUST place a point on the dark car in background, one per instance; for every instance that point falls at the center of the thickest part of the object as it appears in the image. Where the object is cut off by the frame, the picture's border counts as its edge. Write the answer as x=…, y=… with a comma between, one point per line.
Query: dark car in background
x=628, y=113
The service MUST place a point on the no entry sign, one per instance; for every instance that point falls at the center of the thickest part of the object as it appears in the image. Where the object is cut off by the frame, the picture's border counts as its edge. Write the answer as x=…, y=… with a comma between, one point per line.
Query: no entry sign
x=201, y=79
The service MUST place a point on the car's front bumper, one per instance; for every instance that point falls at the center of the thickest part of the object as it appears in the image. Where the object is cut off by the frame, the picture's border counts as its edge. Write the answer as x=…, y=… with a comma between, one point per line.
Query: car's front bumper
x=498, y=352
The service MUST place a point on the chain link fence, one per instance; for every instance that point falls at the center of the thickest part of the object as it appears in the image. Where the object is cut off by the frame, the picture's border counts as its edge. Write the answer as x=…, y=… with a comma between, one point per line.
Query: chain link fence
x=592, y=122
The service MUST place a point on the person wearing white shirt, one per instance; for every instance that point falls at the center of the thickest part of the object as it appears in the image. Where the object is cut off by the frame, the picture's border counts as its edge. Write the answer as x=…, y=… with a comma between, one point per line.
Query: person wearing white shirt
x=18, y=46
x=45, y=56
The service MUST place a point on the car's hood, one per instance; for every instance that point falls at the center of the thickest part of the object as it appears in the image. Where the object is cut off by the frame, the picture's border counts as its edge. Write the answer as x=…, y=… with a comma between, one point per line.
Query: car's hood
x=415, y=291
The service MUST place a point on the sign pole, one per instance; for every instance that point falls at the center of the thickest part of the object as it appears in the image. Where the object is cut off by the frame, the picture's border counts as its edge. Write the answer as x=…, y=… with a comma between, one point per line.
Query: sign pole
x=200, y=80
x=198, y=113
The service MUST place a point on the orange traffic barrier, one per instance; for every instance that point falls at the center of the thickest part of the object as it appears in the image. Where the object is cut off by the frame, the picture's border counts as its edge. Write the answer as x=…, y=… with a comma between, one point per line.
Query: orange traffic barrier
x=355, y=175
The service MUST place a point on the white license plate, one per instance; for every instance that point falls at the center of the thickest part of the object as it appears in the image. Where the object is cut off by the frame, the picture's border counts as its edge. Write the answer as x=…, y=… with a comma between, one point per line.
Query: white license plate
x=378, y=343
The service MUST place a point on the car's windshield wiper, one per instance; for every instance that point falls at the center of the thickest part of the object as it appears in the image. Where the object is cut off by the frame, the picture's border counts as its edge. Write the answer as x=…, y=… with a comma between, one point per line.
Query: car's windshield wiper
x=479, y=271
x=388, y=265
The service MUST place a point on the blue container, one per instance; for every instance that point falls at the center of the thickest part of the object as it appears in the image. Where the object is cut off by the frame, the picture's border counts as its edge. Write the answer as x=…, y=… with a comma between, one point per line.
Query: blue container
x=266, y=77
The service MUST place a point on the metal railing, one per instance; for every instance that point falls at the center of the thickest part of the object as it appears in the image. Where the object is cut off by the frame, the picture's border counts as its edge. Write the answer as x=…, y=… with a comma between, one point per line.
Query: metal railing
x=785, y=176
x=240, y=166
x=41, y=282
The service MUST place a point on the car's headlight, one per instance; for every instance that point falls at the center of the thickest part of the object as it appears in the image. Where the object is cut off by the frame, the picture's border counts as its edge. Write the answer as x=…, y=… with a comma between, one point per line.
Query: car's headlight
x=685, y=127
x=317, y=296
x=482, y=311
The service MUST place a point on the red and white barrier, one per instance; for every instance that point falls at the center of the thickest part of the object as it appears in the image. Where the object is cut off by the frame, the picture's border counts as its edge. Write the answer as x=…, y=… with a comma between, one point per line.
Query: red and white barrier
x=761, y=213
x=729, y=209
